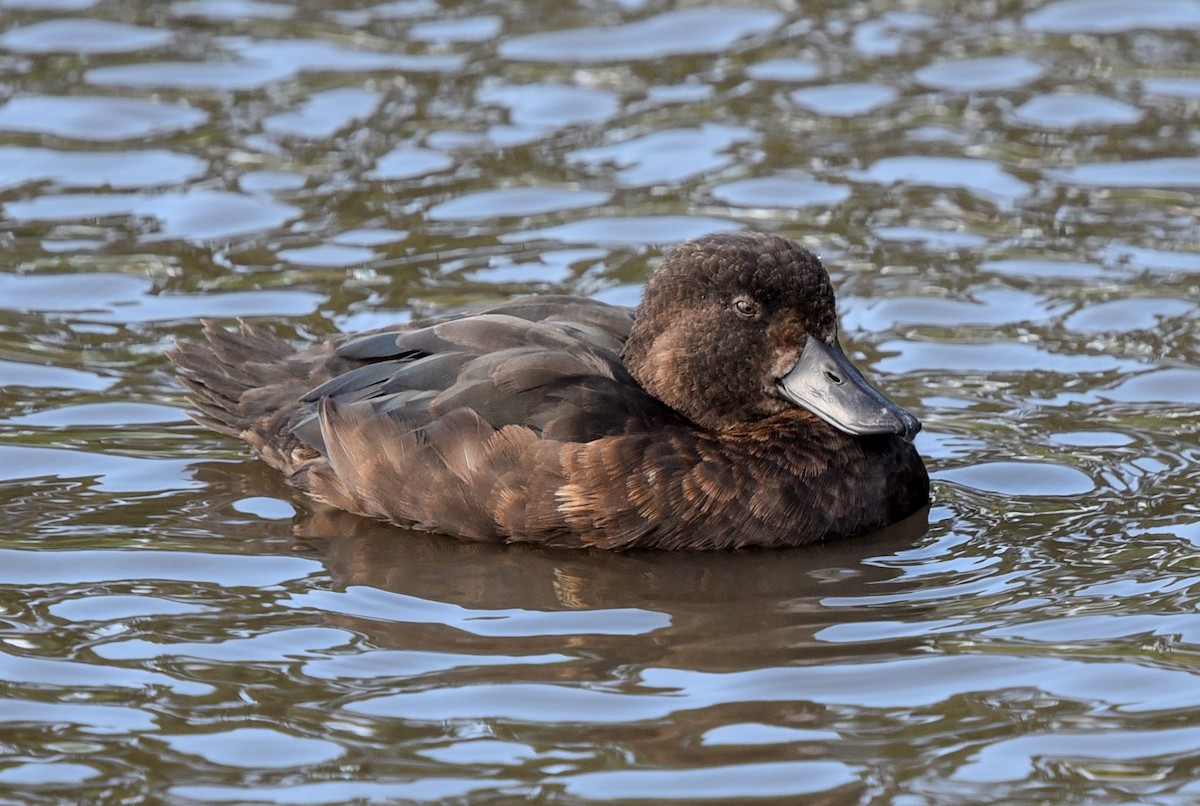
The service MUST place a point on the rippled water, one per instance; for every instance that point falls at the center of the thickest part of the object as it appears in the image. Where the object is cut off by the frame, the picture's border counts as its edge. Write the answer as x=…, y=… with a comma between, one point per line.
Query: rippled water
x=1006, y=197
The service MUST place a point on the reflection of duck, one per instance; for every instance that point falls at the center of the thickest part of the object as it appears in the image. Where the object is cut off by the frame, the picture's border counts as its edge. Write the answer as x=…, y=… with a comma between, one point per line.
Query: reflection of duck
x=724, y=414
x=678, y=610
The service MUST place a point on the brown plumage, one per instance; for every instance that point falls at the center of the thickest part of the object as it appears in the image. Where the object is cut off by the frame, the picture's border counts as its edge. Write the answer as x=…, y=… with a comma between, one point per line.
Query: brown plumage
x=569, y=422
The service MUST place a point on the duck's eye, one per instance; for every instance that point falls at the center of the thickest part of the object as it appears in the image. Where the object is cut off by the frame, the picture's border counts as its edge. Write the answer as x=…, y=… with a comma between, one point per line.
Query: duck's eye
x=746, y=308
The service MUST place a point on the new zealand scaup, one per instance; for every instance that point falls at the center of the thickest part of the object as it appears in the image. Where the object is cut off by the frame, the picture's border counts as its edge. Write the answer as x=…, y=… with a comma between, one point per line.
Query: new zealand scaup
x=721, y=414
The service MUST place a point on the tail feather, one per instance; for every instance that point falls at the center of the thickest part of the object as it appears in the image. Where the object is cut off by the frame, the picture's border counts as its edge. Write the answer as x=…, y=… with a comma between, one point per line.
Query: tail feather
x=247, y=383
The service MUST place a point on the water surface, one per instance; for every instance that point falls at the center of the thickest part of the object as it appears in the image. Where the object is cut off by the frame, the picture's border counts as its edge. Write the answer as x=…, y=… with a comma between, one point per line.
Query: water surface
x=1005, y=196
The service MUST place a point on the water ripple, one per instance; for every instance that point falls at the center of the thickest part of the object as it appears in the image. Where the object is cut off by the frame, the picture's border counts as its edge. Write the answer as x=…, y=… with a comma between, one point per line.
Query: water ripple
x=255, y=747
x=375, y=604
x=1113, y=16
x=1066, y=110
x=690, y=31
x=978, y=75
x=195, y=215
x=265, y=62
x=763, y=780
x=845, y=100
x=513, y=202
x=96, y=118
x=986, y=179
x=1163, y=172
x=75, y=169
x=670, y=156
x=82, y=36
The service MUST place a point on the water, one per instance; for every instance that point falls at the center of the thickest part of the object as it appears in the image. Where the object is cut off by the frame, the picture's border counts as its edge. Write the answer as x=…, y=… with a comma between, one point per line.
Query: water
x=1006, y=197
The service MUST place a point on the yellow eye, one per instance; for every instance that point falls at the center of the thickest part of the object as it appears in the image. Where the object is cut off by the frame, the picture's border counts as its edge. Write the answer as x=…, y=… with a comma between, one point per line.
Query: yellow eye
x=745, y=308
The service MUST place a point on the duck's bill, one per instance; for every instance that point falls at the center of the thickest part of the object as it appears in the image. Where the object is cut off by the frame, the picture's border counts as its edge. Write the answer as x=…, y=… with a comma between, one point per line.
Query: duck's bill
x=827, y=384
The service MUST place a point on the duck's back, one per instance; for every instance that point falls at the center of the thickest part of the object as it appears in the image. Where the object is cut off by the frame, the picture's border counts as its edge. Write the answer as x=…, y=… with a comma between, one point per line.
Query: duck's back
x=552, y=365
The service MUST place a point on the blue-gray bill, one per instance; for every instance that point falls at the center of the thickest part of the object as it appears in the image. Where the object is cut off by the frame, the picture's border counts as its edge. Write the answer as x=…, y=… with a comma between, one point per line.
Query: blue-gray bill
x=827, y=384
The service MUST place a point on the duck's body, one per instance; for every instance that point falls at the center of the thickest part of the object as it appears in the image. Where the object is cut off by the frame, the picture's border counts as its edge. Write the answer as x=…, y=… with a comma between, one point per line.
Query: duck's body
x=568, y=422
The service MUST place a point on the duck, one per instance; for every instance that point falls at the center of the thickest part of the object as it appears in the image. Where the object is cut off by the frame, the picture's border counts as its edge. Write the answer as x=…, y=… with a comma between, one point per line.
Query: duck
x=721, y=413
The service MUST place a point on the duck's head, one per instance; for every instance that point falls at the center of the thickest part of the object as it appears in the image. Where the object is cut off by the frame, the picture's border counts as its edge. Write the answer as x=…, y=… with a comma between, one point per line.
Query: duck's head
x=737, y=327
